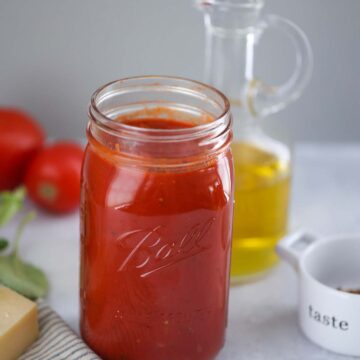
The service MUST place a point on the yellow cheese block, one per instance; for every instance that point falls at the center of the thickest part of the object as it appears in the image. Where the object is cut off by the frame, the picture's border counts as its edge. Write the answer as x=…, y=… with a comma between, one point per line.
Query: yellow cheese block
x=18, y=324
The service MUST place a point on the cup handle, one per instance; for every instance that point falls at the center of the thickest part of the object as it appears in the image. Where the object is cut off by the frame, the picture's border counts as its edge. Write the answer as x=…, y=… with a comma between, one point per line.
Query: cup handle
x=291, y=247
x=263, y=99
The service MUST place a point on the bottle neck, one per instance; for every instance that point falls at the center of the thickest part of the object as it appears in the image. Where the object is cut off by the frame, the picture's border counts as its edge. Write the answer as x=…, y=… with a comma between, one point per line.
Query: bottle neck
x=229, y=67
x=231, y=33
x=229, y=62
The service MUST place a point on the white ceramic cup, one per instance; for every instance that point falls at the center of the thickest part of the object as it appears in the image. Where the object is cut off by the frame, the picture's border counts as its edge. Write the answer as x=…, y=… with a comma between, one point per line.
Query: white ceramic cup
x=327, y=316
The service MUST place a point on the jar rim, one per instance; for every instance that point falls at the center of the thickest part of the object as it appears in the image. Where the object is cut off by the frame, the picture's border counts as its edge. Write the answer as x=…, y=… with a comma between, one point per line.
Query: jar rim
x=109, y=125
x=231, y=4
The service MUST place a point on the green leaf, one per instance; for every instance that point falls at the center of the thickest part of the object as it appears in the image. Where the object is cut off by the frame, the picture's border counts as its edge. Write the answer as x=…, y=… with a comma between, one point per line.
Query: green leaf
x=23, y=277
x=19, y=275
x=10, y=203
x=3, y=244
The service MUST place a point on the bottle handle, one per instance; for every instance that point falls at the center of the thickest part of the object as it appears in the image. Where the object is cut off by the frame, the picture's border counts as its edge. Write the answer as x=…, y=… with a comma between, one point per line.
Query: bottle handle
x=291, y=247
x=263, y=99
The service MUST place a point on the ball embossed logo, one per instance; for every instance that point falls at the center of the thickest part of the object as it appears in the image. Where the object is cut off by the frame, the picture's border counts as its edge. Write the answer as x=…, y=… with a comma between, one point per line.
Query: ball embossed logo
x=151, y=250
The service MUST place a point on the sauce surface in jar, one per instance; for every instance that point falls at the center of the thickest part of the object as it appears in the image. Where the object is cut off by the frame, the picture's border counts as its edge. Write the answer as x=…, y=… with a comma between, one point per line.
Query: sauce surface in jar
x=155, y=248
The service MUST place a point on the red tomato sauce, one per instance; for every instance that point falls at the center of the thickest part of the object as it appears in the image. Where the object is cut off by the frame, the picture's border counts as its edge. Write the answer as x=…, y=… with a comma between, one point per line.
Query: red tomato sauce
x=155, y=247
x=164, y=124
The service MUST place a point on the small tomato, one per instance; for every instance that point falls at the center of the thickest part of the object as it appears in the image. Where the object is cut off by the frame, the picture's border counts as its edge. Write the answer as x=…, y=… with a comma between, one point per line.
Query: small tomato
x=20, y=139
x=53, y=177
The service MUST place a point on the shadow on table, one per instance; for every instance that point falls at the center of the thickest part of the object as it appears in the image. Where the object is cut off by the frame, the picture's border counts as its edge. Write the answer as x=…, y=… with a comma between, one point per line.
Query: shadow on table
x=267, y=333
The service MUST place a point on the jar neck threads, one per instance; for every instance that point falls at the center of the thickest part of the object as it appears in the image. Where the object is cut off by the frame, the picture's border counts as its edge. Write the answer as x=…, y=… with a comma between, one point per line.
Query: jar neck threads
x=203, y=107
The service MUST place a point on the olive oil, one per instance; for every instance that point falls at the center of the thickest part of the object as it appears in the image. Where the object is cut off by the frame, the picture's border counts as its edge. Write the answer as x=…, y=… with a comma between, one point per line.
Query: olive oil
x=262, y=182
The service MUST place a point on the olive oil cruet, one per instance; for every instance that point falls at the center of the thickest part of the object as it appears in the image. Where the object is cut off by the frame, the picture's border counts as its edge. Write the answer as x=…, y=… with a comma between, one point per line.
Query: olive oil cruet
x=262, y=164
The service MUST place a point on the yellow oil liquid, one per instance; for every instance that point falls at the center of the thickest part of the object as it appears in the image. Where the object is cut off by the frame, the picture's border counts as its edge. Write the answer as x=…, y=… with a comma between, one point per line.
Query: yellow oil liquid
x=262, y=183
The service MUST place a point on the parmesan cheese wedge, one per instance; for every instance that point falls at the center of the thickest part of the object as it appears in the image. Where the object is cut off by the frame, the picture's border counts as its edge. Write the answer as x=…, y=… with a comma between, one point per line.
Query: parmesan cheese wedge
x=18, y=324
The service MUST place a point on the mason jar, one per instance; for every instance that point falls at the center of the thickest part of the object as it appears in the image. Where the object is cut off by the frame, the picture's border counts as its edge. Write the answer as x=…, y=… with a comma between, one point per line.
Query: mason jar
x=156, y=220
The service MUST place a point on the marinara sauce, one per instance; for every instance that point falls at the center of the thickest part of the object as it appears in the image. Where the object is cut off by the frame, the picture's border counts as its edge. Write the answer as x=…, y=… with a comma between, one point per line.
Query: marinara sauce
x=156, y=220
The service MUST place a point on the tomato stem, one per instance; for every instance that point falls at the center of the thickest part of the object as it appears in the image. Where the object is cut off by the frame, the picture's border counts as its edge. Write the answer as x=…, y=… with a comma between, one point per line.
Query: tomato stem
x=47, y=191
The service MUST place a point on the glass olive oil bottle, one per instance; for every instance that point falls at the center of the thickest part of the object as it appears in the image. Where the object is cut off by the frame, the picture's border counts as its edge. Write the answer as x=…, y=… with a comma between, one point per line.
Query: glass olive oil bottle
x=262, y=164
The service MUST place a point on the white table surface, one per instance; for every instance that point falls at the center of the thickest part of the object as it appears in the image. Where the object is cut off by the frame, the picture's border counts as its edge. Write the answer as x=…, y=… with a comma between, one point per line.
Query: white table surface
x=262, y=318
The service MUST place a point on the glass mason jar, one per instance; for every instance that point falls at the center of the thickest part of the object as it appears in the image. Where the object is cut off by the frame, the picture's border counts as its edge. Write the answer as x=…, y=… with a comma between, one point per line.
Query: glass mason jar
x=156, y=220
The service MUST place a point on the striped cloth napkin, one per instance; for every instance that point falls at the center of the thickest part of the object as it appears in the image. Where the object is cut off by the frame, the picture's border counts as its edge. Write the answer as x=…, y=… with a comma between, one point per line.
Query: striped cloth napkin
x=56, y=340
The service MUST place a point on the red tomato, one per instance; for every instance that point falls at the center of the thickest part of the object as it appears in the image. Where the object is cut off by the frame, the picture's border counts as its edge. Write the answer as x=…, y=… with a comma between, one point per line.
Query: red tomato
x=20, y=139
x=53, y=177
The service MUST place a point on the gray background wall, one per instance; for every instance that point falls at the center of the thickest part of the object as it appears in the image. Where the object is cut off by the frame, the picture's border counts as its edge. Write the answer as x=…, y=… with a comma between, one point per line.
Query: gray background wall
x=54, y=53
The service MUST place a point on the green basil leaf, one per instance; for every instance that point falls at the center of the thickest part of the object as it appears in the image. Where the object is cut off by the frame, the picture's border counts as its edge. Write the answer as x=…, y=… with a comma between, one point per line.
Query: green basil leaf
x=23, y=277
x=3, y=244
x=10, y=203
x=19, y=275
